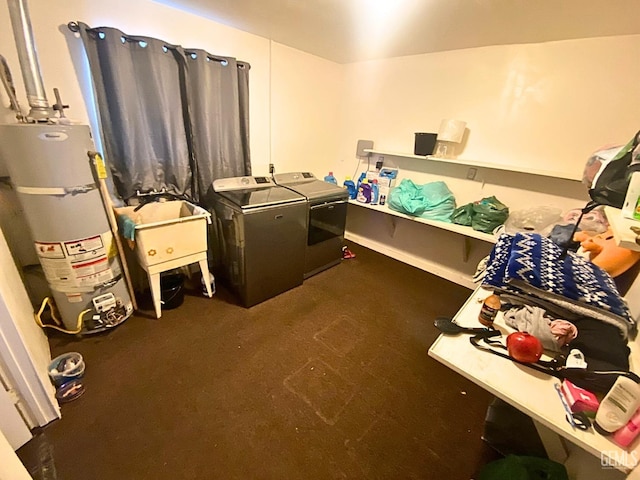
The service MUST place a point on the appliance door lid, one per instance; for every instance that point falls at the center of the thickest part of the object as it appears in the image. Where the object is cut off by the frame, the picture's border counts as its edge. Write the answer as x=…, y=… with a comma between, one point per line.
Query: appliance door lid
x=326, y=221
x=294, y=178
x=256, y=198
x=319, y=190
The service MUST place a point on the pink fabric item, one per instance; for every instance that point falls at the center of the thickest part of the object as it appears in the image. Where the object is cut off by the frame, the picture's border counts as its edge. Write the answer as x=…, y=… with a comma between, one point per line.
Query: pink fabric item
x=564, y=331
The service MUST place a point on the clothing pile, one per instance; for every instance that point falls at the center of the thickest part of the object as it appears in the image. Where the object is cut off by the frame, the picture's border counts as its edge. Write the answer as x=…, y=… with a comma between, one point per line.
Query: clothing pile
x=564, y=297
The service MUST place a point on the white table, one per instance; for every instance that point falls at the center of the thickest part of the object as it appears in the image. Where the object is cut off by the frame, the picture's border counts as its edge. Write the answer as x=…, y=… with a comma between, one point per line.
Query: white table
x=533, y=393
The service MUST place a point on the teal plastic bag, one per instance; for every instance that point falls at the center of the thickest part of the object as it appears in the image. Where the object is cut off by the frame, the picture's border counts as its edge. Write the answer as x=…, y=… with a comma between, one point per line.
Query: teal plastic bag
x=407, y=198
x=440, y=202
x=433, y=200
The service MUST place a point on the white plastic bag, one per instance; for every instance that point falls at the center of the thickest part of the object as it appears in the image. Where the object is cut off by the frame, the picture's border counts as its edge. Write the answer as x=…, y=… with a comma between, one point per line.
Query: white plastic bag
x=534, y=220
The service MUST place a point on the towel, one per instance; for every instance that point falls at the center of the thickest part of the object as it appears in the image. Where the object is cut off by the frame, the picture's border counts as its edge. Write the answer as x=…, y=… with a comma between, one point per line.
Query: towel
x=127, y=227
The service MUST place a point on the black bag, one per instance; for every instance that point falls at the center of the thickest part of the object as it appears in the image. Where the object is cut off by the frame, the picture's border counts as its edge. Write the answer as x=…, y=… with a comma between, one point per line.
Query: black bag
x=611, y=181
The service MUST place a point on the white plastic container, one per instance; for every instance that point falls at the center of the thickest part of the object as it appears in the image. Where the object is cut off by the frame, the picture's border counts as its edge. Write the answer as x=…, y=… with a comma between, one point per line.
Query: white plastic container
x=631, y=199
x=619, y=405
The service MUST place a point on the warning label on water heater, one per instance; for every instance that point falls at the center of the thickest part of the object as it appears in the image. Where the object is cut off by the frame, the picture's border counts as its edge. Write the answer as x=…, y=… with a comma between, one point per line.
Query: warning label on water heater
x=78, y=263
x=92, y=247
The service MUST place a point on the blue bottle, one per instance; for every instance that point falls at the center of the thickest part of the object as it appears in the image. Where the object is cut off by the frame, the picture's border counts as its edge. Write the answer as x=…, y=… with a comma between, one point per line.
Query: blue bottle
x=330, y=178
x=361, y=178
x=364, y=192
x=375, y=192
x=351, y=187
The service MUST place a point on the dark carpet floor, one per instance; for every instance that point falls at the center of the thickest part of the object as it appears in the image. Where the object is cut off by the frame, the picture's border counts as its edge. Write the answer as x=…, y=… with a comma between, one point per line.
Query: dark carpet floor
x=329, y=380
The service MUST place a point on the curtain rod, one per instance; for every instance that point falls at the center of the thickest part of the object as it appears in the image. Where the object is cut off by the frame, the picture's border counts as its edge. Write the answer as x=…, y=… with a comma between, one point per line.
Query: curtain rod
x=75, y=28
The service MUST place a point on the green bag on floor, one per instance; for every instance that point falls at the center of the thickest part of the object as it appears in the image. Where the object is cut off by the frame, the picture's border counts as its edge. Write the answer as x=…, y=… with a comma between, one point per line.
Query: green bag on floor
x=517, y=467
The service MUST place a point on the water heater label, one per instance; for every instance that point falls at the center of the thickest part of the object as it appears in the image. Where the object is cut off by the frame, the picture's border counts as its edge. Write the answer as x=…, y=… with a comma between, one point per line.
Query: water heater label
x=77, y=263
x=49, y=250
x=86, y=248
x=87, y=269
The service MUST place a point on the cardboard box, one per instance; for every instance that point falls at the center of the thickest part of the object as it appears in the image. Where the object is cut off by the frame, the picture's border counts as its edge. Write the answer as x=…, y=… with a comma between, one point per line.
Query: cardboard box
x=386, y=177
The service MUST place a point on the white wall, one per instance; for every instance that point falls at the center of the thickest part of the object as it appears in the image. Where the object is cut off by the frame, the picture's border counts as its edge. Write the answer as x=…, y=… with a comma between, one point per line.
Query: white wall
x=539, y=105
x=546, y=105
x=304, y=87
x=10, y=465
x=305, y=96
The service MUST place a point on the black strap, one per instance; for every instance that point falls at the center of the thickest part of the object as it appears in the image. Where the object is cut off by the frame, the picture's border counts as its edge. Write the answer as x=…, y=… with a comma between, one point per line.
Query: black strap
x=596, y=380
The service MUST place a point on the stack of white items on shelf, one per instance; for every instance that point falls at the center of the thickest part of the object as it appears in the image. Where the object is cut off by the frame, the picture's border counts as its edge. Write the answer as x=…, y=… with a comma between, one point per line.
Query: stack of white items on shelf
x=386, y=178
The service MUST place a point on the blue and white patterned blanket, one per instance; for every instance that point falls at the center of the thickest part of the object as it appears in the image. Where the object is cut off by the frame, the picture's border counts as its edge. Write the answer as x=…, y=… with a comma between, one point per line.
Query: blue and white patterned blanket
x=534, y=265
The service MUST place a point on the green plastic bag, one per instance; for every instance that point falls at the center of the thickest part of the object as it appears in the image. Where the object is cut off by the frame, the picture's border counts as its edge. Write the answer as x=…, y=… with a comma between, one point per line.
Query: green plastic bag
x=488, y=214
x=518, y=467
x=462, y=215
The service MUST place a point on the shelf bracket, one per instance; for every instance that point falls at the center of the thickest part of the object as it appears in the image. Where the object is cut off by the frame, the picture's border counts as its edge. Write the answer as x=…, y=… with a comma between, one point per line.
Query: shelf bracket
x=392, y=223
x=466, y=248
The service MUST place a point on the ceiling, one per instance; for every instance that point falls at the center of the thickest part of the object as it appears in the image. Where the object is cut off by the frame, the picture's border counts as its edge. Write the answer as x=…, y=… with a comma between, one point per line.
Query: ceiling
x=346, y=31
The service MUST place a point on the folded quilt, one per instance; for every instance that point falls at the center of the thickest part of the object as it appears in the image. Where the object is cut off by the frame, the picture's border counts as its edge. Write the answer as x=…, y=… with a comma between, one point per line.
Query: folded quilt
x=534, y=265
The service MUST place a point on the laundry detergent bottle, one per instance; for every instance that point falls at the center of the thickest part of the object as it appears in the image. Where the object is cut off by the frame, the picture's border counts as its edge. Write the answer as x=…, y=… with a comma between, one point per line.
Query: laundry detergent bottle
x=364, y=192
x=375, y=192
x=330, y=178
x=351, y=187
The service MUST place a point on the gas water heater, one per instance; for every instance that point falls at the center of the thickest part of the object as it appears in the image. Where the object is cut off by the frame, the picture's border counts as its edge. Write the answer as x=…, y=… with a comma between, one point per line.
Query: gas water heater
x=51, y=172
x=48, y=161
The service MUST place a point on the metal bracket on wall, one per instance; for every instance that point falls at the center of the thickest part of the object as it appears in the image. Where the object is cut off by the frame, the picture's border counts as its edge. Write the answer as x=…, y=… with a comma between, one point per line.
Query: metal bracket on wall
x=392, y=223
x=466, y=248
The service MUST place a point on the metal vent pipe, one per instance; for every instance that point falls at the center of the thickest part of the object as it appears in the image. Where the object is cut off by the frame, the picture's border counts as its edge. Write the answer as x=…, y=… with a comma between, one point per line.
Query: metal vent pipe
x=28, y=58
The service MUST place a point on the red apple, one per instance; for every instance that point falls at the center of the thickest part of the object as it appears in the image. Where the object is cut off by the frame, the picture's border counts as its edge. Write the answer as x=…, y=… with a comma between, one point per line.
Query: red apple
x=524, y=347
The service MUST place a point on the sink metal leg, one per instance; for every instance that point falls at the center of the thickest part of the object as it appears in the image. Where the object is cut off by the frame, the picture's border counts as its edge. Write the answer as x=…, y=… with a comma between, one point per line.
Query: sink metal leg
x=204, y=269
x=154, y=283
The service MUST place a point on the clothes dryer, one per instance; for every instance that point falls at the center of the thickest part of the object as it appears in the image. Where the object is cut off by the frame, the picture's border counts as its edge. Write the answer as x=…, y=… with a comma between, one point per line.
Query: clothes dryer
x=327, y=216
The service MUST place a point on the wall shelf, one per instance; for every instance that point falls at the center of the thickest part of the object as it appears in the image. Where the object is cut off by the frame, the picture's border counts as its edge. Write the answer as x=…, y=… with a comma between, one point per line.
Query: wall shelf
x=452, y=227
x=474, y=245
x=472, y=163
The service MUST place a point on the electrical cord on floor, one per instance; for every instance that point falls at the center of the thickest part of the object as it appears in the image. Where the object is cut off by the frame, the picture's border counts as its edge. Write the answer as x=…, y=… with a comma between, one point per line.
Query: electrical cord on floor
x=47, y=302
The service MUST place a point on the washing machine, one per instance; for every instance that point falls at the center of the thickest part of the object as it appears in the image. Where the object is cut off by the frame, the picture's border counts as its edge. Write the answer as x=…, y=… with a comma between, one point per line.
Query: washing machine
x=258, y=238
x=326, y=218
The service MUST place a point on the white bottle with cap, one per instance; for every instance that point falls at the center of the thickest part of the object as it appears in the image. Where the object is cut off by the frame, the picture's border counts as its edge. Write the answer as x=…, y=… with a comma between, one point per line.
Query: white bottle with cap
x=619, y=405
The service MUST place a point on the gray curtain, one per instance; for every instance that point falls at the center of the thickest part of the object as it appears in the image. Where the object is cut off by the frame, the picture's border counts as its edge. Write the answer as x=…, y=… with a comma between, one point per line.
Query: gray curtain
x=171, y=117
x=219, y=129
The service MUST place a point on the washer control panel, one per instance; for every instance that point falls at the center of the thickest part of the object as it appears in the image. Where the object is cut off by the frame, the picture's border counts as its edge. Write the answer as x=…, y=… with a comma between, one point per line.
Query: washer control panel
x=241, y=183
